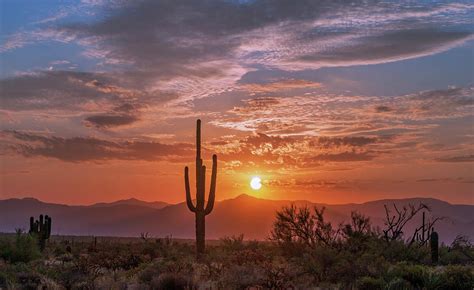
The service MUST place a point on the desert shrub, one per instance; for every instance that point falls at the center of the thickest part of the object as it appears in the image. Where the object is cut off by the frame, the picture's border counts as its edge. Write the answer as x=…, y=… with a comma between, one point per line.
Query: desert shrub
x=461, y=251
x=209, y=270
x=424, y=277
x=75, y=276
x=4, y=281
x=278, y=274
x=175, y=281
x=433, y=279
x=152, y=270
x=22, y=249
x=28, y=280
x=114, y=280
x=399, y=284
x=242, y=277
x=119, y=259
x=159, y=267
x=232, y=243
x=414, y=274
x=150, y=251
x=457, y=277
x=321, y=263
x=303, y=226
x=396, y=251
x=370, y=283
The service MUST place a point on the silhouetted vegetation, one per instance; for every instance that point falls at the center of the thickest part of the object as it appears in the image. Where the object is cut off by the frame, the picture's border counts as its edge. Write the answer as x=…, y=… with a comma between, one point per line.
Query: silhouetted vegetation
x=40, y=229
x=304, y=251
x=21, y=249
x=201, y=209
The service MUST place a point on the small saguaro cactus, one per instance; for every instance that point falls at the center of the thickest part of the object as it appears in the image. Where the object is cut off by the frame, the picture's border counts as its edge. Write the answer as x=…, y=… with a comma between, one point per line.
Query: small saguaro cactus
x=41, y=229
x=434, y=243
x=200, y=209
x=423, y=228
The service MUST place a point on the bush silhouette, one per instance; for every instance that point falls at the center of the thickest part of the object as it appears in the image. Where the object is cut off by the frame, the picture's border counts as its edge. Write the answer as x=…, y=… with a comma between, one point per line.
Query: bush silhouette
x=22, y=248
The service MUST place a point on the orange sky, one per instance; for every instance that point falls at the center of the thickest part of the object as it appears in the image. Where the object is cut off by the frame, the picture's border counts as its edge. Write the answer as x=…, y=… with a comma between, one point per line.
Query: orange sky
x=326, y=182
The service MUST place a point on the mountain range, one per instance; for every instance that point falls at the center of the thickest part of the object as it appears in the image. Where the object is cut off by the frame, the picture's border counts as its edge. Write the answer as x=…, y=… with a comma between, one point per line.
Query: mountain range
x=244, y=214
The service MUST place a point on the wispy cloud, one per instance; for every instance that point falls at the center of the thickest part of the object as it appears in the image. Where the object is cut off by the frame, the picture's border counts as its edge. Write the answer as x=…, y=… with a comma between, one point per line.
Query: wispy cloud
x=455, y=159
x=315, y=113
x=83, y=149
x=276, y=153
x=107, y=121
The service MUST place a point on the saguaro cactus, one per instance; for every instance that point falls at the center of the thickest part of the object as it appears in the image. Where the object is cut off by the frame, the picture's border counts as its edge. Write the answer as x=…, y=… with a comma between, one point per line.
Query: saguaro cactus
x=200, y=209
x=41, y=229
x=423, y=229
x=434, y=247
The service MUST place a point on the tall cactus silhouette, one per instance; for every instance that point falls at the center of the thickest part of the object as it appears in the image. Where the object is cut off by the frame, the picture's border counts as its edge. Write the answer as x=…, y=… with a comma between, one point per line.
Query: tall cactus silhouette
x=201, y=209
x=41, y=229
x=434, y=243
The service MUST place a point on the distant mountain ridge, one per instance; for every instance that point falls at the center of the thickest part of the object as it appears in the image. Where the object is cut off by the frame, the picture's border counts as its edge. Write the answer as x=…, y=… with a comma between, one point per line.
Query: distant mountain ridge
x=245, y=214
x=133, y=201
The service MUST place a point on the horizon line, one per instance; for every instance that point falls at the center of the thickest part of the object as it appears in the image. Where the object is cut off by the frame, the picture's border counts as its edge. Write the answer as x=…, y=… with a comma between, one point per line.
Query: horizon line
x=234, y=197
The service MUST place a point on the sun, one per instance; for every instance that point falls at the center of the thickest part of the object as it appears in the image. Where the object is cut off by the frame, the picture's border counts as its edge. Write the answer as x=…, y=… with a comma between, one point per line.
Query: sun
x=256, y=183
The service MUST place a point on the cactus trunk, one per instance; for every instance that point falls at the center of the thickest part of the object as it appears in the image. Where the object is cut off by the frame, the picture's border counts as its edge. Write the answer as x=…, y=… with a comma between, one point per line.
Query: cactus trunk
x=200, y=232
x=201, y=209
x=423, y=229
x=434, y=247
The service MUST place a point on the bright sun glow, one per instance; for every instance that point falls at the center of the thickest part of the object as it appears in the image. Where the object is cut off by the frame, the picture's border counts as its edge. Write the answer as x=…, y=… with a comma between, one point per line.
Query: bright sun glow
x=256, y=183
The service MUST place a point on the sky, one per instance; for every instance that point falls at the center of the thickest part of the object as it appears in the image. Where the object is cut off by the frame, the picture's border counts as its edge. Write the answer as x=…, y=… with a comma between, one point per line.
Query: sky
x=328, y=101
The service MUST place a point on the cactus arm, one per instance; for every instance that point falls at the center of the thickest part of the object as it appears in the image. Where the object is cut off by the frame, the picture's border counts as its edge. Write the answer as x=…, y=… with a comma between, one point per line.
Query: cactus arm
x=32, y=224
x=48, y=227
x=203, y=185
x=212, y=190
x=41, y=223
x=434, y=244
x=423, y=229
x=189, y=200
x=45, y=227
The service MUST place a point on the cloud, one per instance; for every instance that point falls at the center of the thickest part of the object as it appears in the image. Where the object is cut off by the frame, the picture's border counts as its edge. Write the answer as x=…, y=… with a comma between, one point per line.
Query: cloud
x=344, y=157
x=81, y=149
x=282, y=85
x=447, y=179
x=382, y=109
x=453, y=102
x=456, y=159
x=386, y=46
x=53, y=90
x=181, y=44
x=104, y=99
x=327, y=114
x=274, y=152
x=107, y=121
x=356, y=141
x=181, y=34
x=124, y=114
x=317, y=129
x=319, y=183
